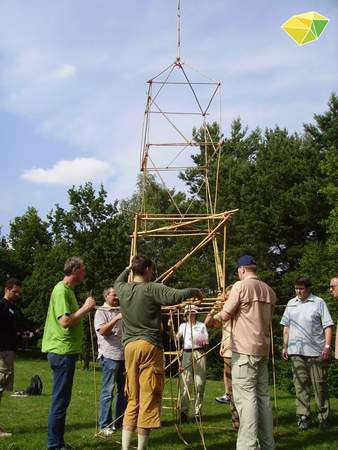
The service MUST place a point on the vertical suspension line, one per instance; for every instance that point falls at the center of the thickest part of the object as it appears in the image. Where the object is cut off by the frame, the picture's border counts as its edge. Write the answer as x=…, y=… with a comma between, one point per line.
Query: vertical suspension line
x=224, y=257
x=145, y=148
x=178, y=34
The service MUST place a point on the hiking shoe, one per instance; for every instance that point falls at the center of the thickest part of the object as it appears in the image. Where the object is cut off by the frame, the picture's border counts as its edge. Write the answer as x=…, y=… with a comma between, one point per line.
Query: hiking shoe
x=106, y=432
x=183, y=417
x=303, y=423
x=4, y=434
x=223, y=399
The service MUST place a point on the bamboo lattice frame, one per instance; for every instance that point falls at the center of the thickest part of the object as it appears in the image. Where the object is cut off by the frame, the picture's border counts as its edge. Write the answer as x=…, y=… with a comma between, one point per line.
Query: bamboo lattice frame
x=210, y=225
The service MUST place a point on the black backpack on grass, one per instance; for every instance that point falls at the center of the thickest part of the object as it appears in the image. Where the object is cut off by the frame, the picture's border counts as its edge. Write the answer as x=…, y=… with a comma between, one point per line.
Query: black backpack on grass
x=35, y=387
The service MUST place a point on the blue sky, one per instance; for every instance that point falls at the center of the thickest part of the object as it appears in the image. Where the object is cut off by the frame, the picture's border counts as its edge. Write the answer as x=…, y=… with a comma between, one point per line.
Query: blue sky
x=73, y=83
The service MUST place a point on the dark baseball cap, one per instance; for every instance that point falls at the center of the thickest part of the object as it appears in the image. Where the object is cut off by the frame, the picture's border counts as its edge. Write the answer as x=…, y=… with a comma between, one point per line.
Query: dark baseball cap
x=245, y=260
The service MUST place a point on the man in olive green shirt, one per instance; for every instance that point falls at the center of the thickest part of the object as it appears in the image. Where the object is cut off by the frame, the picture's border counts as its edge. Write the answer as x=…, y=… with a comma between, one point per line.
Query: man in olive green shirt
x=62, y=341
x=140, y=304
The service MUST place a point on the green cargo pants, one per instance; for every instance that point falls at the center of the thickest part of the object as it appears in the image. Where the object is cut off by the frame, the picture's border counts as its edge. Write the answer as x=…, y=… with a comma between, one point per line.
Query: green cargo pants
x=309, y=370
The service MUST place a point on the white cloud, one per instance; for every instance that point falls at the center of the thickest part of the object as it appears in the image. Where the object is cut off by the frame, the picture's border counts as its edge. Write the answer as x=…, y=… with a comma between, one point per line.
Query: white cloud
x=65, y=172
x=62, y=72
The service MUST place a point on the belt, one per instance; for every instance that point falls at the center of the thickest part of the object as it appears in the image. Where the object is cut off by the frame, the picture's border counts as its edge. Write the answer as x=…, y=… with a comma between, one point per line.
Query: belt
x=189, y=350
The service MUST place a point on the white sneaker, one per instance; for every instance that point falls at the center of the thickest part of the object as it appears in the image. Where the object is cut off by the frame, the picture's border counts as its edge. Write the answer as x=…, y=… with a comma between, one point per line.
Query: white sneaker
x=106, y=432
x=4, y=434
x=223, y=399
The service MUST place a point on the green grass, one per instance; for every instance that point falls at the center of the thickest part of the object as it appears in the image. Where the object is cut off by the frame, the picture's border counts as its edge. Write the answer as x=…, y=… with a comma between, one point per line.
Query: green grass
x=26, y=418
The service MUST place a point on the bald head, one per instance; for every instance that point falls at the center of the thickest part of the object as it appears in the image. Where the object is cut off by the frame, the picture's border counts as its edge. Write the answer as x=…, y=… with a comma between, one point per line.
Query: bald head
x=334, y=287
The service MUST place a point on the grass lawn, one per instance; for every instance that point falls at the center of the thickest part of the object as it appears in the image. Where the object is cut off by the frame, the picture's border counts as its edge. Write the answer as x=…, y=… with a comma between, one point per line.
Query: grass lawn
x=26, y=418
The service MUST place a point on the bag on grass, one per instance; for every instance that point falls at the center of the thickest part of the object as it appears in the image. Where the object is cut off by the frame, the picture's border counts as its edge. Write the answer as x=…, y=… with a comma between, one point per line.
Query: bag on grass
x=35, y=387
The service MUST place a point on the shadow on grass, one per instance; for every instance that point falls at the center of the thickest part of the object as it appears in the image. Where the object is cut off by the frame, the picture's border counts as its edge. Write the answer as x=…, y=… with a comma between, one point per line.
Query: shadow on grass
x=43, y=428
x=215, y=419
x=312, y=438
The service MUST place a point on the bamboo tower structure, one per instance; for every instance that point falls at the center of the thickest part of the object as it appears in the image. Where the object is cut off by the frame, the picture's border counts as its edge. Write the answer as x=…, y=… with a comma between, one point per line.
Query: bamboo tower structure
x=180, y=98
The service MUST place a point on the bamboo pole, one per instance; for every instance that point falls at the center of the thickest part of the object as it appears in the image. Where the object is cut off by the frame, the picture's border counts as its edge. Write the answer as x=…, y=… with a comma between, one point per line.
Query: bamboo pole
x=154, y=216
x=179, y=225
x=224, y=256
x=133, y=251
x=168, y=273
x=106, y=308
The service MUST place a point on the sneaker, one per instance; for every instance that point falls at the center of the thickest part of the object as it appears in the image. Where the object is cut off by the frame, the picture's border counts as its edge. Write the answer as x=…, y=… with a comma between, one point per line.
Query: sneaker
x=223, y=399
x=303, y=423
x=66, y=447
x=4, y=434
x=19, y=394
x=106, y=432
x=183, y=417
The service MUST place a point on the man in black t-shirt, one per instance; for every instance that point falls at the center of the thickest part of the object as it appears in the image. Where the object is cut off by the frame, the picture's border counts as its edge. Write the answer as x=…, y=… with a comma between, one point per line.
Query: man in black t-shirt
x=8, y=336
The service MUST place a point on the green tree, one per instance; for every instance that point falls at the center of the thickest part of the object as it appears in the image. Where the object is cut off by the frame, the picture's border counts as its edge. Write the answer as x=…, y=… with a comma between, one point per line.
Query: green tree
x=93, y=229
x=324, y=137
x=28, y=235
x=275, y=180
x=8, y=265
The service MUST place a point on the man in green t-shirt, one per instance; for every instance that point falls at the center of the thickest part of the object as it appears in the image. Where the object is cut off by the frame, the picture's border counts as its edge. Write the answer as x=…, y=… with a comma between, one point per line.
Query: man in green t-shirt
x=140, y=304
x=62, y=341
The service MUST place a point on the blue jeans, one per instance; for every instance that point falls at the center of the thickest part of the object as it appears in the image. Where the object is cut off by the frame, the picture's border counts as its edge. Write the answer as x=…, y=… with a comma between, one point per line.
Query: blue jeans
x=112, y=374
x=63, y=367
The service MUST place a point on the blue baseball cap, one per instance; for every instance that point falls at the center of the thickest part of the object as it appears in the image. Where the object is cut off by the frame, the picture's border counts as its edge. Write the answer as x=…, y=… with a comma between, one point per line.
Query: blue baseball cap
x=245, y=260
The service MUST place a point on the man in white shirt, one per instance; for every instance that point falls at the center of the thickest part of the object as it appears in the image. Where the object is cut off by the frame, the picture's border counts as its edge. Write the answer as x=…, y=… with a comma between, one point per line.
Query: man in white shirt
x=108, y=327
x=195, y=339
x=307, y=336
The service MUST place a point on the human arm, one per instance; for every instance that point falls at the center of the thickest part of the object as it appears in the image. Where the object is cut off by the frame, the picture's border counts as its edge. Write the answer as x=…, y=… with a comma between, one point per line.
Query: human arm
x=69, y=320
x=285, y=343
x=180, y=332
x=123, y=277
x=231, y=306
x=213, y=319
x=3, y=309
x=166, y=296
x=285, y=321
x=107, y=327
x=328, y=339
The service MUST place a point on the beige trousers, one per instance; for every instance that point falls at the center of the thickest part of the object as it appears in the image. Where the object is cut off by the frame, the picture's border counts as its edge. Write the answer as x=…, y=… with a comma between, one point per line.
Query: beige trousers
x=250, y=387
x=192, y=380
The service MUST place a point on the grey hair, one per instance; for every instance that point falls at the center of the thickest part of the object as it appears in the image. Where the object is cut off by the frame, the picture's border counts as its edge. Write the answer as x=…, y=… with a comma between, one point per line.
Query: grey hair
x=106, y=291
x=72, y=263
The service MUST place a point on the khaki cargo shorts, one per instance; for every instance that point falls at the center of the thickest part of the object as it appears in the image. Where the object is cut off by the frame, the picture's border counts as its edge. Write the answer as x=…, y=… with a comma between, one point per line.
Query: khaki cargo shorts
x=7, y=359
x=144, y=384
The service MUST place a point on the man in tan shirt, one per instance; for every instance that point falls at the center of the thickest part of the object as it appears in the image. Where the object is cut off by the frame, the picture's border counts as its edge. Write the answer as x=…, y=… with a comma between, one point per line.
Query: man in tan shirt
x=250, y=305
